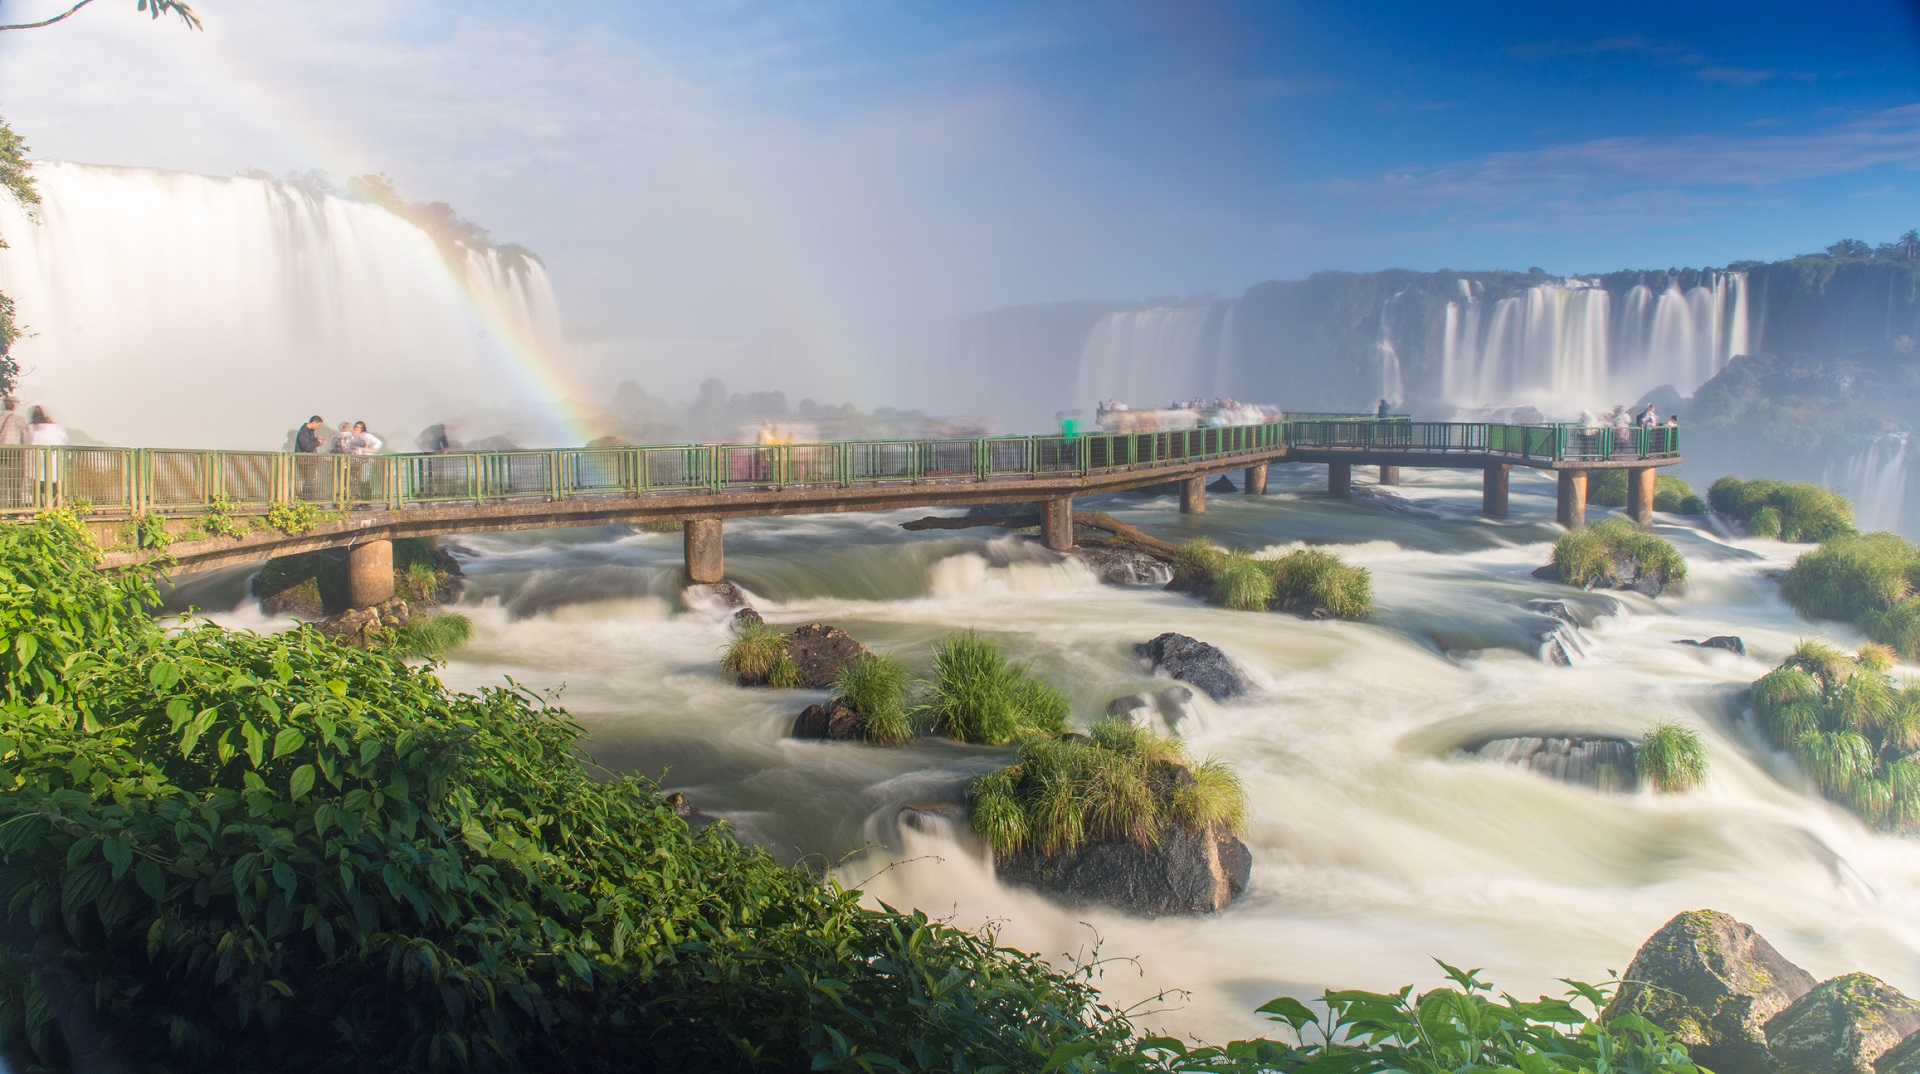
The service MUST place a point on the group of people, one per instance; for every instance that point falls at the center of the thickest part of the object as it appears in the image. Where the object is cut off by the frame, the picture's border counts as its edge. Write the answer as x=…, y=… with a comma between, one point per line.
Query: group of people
x=35, y=426
x=1621, y=418
x=352, y=438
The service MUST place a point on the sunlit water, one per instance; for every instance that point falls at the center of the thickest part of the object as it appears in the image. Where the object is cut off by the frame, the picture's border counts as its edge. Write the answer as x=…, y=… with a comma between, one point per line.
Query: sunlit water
x=1374, y=849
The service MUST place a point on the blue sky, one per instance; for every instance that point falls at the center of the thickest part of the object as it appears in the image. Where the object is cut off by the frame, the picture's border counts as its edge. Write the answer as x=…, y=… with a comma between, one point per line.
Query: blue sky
x=697, y=169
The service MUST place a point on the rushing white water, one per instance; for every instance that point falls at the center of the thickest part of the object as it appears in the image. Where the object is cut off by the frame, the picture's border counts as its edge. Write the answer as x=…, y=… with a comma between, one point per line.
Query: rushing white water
x=1148, y=357
x=1392, y=389
x=172, y=309
x=1876, y=480
x=1566, y=345
x=1375, y=847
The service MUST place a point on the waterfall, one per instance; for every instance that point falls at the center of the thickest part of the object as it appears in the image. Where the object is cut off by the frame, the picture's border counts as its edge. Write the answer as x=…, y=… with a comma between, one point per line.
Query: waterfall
x=1569, y=345
x=1876, y=480
x=1391, y=387
x=172, y=309
x=1148, y=357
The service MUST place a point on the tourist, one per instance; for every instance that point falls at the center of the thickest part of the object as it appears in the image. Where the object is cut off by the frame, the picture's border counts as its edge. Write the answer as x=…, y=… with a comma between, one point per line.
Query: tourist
x=13, y=424
x=1381, y=411
x=343, y=440
x=364, y=442
x=433, y=440
x=307, y=441
x=43, y=431
x=1648, y=419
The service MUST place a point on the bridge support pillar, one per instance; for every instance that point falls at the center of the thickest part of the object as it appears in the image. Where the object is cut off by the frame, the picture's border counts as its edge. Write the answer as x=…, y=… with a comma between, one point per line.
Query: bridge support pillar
x=1254, y=481
x=1493, y=489
x=1193, y=495
x=1340, y=479
x=1389, y=475
x=1572, y=503
x=1057, y=531
x=1640, y=494
x=706, y=557
x=369, y=573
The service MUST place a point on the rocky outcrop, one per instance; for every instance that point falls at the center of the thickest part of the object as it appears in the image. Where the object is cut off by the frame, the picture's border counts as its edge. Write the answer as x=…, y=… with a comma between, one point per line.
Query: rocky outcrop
x=832, y=720
x=1193, y=661
x=1186, y=872
x=1171, y=706
x=1716, y=985
x=1602, y=762
x=1902, y=1058
x=684, y=809
x=1222, y=483
x=362, y=628
x=1126, y=566
x=821, y=651
x=1723, y=641
x=1840, y=1026
x=745, y=617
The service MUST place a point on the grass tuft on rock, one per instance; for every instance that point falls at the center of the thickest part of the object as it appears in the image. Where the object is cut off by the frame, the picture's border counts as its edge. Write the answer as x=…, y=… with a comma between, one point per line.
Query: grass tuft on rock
x=1789, y=510
x=1119, y=783
x=430, y=637
x=1306, y=581
x=1608, y=488
x=1195, y=563
x=978, y=695
x=1243, y=584
x=1672, y=758
x=875, y=686
x=1852, y=728
x=758, y=656
x=1589, y=557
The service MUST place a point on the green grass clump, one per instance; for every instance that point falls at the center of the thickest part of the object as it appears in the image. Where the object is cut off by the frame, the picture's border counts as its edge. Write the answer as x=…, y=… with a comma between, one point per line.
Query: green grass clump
x=1851, y=726
x=1852, y=575
x=1195, y=563
x=1608, y=488
x=977, y=695
x=758, y=656
x=1119, y=783
x=875, y=686
x=1308, y=580
x=1585, y=557
x=1672, y=758
x=1789, y=510
x=429, y=636
x=1243, y=584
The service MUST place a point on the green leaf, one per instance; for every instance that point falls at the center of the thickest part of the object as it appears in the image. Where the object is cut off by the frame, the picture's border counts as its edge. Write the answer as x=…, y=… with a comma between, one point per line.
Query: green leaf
x=302, y=781
x=288, y=740
x=24, y=647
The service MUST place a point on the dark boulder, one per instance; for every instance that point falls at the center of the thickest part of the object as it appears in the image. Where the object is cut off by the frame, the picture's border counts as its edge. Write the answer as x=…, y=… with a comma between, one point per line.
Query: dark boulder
x=821, y=651
x=1840, y=1026
x=1548, y=572
x=683, y=808
x=746, y=617
x=1602, y=762
x=1193, y=661
x=832, y=720
x=1554, y=609
x=1713, y=983
x=1723, y=641
x=1222, y=483
x=1187, y=872
x=1171, y=705
x=1555, y=652
x=1126, y=566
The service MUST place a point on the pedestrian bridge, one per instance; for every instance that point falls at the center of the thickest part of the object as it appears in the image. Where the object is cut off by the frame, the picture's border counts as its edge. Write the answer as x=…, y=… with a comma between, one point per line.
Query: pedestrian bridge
x=368, y=500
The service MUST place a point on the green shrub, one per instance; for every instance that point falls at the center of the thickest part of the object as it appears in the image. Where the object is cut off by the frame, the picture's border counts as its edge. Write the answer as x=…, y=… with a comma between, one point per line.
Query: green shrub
x=1852, y=575
x=429, y=636
x=1243, y=584
x=1586, y=557
x=1195, y=563
x=875, y=686
x=294, y=518
x=758, y=656
x=218, y=520
x=1789, y=510
x=1850, y=726
x=976, y=695
x=1672, y=758
x=1608, y=488
x=1309, y=580
x=1117, y=784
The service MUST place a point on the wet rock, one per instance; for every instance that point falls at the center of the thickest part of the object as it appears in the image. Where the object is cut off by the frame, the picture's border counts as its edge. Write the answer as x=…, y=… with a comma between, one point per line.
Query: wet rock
x=1841, y=1026
x=723, y=594
x=1723, y=641
x=1223, y=483
x=821, y=651
x=942, y=820
x=1713, y=983
x=833, y=720
x=683, y=808
x=1602, y=762
x=1195, y=662
x=363, y=628
x=746, y=617
x=1187, y=872
x=1547, y=572
x=1555, y=652
x=1126, y=566
x=1554, y=609
x=1171, y=706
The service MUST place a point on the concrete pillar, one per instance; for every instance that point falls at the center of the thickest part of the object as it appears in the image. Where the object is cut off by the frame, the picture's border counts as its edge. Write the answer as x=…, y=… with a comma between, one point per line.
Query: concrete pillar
x=1340, y=479
x=369, y=573
x=1493, y=490
x=1057, y=533
x=706, y=557
x=1572, y=512
x=1389, y=475
x=1254, y=482
x=1193, y=495
x=1640, y=494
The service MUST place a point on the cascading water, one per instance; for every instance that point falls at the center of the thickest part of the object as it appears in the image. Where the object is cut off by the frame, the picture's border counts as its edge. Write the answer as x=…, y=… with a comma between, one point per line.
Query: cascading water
x=1570, y=345
x=1876, y=480
x=1392, y=389
x=1148, y=357
x=168, y=309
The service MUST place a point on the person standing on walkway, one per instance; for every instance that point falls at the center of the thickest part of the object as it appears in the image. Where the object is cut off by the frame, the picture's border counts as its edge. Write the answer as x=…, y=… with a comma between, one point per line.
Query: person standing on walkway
x=364, y=442
x=43, y=431
x=307, y=440
x=13, y=424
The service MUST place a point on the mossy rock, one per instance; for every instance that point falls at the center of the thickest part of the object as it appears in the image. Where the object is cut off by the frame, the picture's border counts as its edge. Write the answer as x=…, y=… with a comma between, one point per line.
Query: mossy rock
x=1184, y=872
x=1713, y=983
x=1841, y=1027
x=1902, y=1058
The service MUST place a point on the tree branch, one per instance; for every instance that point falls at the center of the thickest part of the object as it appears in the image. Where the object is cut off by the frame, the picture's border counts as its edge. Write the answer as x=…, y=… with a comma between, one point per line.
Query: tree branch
x=49, y=22
x=154, y=8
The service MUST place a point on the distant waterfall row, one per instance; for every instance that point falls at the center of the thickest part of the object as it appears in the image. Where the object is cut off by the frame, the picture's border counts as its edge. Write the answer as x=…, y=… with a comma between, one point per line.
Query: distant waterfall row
x=1155, y=356
x=1877, y=480
x=171, y=309
x=1570, y=345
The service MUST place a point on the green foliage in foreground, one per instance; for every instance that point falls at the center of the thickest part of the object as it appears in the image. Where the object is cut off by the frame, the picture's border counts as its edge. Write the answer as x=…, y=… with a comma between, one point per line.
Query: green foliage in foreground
x=875, y=686
x=429, y=637
x=1608, y=488
x=1307, y=581
x=1868, y=579
x=977, y=695
x=758, y=656
x=1118, y=784
x=1672, y=758
x=1587, y=557
x=1853, y=729
x=1789, y=510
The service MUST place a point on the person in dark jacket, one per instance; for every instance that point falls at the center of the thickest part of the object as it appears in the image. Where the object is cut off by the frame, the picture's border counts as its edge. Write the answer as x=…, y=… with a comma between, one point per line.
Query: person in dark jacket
x=308, y=440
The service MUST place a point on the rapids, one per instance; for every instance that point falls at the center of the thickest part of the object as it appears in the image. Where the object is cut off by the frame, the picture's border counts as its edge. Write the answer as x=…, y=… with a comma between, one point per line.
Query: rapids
x=1374, y=850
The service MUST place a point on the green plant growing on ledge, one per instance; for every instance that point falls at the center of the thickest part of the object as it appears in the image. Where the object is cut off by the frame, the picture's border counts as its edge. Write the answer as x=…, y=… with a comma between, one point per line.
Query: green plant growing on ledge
x=1672, y=758
x=219, y=520
x=875, y=686
x=977, y=695
x=1853, y=729
x=146, y=530
x=1591, y=557
x=758, y=656
x=1789, y=510
x=1608, y=488
x=1118, y=784
x=296, y=517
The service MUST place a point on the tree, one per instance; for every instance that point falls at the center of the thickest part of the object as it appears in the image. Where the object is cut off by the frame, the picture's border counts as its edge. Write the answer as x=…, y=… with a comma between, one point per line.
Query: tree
x=154, y=8
x=1850, y=248
x=1911, y=243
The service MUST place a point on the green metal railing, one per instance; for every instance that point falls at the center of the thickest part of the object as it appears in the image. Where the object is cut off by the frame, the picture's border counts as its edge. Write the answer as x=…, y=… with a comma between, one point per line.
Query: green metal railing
x=126, y=481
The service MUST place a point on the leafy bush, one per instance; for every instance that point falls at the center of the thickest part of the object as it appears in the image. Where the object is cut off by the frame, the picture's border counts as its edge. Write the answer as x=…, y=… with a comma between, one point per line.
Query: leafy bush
x=1608, y=488
x=1588, y=557
x=758, y=656
x=1672, y=758
x=1852, y=728
x=1118, y=784
x=219, y=520
x=146, y=530
x=875, y=686
x=976, y=695
x=430, y=636
x=294, y=518
x=1790, y=510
